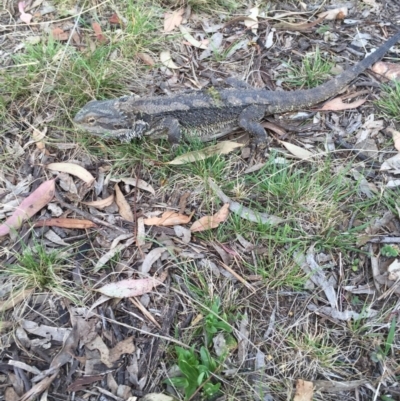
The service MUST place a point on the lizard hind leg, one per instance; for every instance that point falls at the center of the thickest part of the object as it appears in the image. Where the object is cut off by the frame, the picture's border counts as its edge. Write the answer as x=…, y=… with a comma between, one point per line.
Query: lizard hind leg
x=249, y=120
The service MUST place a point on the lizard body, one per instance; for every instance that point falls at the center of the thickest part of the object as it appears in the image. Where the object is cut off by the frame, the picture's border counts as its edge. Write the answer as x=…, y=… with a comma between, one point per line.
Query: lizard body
x=209, y=114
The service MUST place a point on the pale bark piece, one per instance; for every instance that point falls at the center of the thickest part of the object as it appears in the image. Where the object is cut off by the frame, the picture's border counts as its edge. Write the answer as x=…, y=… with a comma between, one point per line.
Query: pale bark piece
x=29, y=206
x=123, y=206
x=73, y=169
x=132, y=287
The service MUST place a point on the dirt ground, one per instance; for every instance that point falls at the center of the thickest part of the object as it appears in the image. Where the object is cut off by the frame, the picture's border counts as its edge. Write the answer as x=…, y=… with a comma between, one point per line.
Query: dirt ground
x=207, y=271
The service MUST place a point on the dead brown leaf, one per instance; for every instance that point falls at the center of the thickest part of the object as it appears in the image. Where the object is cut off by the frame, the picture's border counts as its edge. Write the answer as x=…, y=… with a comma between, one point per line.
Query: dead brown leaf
x=337, y=104
x=132, y=287
x=65, y=223
x=173, y=20
x=168, y=218
x=29, y=206
x=123, y=205
x=209, y=222
x=59, y=34
x=114, y=19
x=147, y=59
x=98, y=32
x=101, y=203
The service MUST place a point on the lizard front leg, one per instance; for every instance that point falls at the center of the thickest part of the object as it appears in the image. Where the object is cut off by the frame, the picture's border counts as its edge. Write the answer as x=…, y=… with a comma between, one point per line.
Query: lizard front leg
x=171, y=126
x=249, y=120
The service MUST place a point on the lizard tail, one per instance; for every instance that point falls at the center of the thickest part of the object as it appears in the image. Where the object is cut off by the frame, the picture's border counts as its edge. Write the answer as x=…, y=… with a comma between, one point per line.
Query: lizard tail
x=309, y=97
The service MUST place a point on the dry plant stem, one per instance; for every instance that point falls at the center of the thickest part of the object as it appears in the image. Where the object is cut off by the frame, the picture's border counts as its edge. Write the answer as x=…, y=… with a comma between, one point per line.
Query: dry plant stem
x=88, y=215
x=385, y=240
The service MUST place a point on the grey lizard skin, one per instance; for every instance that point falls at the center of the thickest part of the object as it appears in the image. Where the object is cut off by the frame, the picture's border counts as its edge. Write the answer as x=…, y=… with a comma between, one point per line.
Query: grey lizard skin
x=209, y=114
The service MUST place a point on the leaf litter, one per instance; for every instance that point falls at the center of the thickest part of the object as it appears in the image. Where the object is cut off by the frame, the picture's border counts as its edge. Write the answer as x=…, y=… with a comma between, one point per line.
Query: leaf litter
x=120, y=234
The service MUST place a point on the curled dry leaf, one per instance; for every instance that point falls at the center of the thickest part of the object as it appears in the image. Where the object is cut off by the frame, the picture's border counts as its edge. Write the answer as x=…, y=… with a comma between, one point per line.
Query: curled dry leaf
x=395, y=136
x=65, y=223
x=387, y=70
x=131, y=287
x=172, y=20
x=29, y=206
x=73, y=169
x=297, y=151
x=338, y=104
x=194, y=42
x=101, y=203
x=166, y=59
x=168, y=218
x=136, y=182
x=123, y=206
x=208, y=222
x=221, y=148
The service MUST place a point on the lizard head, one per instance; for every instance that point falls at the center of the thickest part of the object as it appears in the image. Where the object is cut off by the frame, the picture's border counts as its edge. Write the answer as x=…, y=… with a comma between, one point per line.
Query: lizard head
x=104, y=118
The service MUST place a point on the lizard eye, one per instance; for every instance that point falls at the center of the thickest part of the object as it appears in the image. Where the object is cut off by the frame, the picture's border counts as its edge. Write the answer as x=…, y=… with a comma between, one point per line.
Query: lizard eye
x=91, y=120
